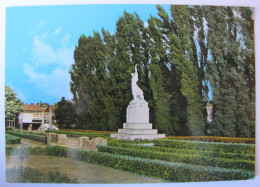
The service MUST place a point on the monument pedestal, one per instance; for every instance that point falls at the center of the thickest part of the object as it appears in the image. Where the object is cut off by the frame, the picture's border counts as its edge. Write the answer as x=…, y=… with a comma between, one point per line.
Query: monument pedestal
x=137, y=124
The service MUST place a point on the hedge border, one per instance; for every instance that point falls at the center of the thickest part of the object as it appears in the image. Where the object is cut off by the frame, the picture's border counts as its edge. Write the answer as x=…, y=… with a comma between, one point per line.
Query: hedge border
x=11, y=139
x=184, y=151
x=29, y=135
x=185, y=158
x=176, y=172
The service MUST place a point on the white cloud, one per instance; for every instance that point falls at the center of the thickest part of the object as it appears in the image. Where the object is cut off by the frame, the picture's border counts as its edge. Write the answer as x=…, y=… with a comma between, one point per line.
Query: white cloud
x=66, y=38
x=41, y=24
x=54, y=83
x=57, y=31
x=49, y=71
x=45, y=54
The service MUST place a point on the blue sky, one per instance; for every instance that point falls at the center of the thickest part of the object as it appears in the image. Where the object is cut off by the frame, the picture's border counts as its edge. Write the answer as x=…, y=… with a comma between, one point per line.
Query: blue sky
x=40, y=41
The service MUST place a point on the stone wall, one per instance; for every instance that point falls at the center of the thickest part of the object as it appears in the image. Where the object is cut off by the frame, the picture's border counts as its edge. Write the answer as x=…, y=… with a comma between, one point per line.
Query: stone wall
x=82, y=142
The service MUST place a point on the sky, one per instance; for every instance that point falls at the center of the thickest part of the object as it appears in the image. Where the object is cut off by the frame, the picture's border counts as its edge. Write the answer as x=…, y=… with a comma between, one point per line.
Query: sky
x=40, y=41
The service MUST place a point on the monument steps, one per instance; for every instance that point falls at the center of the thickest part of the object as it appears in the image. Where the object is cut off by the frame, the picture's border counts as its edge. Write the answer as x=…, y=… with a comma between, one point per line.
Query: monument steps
x=137, y=136
x=137, y=126
x=137, y=131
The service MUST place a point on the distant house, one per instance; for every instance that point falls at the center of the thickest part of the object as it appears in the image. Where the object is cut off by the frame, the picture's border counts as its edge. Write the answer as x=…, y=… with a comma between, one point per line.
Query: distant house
x=209, y=108
x=32, y=114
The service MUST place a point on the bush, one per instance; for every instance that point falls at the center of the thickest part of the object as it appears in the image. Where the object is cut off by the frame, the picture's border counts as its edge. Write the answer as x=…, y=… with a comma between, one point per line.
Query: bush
x=207, y=146
x=29, y=175
x=79, y=134
x=8, y=128
x=29, y=135
x=10, y=139
x=11, y=150
x=185, y=158
x=184, y=151
x=178, y=172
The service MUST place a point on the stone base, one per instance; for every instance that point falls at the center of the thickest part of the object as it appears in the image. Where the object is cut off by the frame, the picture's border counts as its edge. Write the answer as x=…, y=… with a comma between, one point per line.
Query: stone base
x=137, y=124
x=141, y=131
x=137, y=136
x=137, y=112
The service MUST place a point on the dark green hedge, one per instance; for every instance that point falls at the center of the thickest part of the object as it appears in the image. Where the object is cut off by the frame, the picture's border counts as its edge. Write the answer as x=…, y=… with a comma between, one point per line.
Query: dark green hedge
x=208, y=146
x=79, y=134
x=29, y=135
x=185, y=158
x=31, y=175
x=8, y=128
x=219, y=154
x=177, y=172
x=10, y=139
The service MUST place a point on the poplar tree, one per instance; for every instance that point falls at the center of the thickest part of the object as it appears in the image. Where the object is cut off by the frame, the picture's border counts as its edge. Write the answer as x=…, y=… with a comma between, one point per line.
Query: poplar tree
x=160, y=107
x=179, y=57
x=182, y=59
x=228, y=73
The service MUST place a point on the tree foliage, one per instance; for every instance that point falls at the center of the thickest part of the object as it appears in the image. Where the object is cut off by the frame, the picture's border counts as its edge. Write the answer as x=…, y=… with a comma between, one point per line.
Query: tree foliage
x=65, y=114
x=186, y=57
x=13, y=105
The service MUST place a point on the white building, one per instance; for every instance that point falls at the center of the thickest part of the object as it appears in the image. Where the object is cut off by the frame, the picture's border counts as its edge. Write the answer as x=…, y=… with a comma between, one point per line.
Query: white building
x=37, y=116
x=32, y=114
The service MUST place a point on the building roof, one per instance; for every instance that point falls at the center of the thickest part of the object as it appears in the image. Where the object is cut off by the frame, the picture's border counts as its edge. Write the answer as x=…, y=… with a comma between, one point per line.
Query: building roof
x=32, y=107
x=53, y=108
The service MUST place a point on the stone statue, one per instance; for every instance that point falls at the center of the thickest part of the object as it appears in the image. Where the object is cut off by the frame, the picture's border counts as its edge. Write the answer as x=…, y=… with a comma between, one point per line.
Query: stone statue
x=136, y=91
x=137, y=124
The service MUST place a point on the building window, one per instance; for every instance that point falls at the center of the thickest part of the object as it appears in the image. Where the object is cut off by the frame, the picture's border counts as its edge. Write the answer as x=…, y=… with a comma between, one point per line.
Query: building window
x=37, y=115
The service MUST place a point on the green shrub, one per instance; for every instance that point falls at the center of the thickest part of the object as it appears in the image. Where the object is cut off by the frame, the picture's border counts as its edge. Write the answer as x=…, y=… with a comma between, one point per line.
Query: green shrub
x=29, y=175
x=8, y=128
x=178, y=172
x=29, y=135
x=11, y=150
x=185, y=158
x=208, y=146
x=79, y=134
x=183, y=151
x=10, y=139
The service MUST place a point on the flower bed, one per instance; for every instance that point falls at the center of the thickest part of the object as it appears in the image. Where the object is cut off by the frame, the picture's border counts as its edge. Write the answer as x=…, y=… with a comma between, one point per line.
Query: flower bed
x=88, y=131
x=214, y=139
x=79, y=134
x=207, y=146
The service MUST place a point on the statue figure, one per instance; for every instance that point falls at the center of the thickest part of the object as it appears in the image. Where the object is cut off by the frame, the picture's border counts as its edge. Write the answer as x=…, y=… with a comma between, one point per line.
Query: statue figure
x=136, y=91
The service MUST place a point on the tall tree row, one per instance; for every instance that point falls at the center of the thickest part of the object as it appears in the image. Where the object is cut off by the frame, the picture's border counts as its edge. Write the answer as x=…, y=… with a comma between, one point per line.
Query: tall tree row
x=186, y=57
x=230, y=70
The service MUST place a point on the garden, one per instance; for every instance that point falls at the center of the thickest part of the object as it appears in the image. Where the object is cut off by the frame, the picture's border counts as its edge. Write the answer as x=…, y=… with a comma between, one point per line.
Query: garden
x=180, y=159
